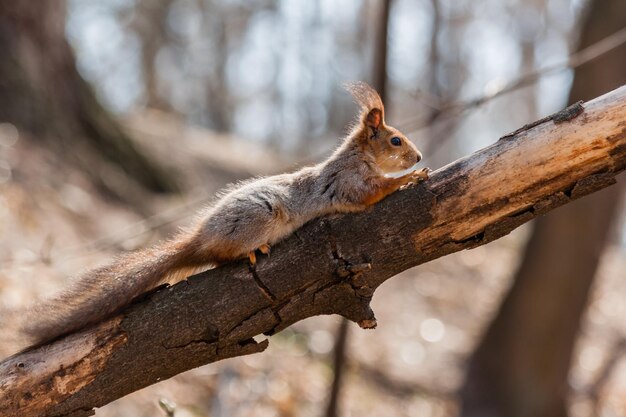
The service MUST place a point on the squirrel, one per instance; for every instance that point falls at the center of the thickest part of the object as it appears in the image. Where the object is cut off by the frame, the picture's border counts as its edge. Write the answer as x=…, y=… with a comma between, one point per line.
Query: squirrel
x=251, y=216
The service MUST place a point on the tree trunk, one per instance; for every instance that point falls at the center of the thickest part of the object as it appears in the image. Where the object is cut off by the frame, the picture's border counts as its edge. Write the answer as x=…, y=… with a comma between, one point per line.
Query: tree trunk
x=332, y=265
x=42, y=93
x=520, y=367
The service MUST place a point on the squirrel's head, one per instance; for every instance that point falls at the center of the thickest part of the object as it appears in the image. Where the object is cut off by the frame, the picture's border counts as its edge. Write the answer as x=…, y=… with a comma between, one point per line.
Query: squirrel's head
x=389, y=148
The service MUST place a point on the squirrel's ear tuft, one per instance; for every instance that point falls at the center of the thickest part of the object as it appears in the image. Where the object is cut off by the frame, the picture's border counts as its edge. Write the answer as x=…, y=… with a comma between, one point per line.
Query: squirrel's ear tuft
x=372, y=109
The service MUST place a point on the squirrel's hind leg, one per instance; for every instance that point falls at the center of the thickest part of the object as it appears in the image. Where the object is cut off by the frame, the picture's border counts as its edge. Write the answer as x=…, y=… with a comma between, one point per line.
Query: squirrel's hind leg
x=252, y=257
x=264, y=249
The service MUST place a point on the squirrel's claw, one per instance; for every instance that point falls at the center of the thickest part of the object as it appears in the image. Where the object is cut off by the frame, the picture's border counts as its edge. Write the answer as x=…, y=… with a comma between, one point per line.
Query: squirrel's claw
x=265, y=249
x=252, y=258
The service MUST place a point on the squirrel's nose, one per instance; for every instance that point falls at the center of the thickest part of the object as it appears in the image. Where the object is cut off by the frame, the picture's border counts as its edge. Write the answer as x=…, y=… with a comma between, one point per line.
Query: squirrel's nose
x=418, y=157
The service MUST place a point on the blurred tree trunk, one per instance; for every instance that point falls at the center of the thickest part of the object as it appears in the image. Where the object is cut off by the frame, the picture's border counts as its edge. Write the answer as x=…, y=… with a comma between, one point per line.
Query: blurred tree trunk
x=42, y=93
x=521, y=366
x=446, y=79
x=379, y=82
x=150, y=25
x=216, y=18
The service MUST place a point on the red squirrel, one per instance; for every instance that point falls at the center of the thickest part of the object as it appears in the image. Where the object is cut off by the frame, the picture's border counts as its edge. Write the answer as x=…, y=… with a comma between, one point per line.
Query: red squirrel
x=249, y=216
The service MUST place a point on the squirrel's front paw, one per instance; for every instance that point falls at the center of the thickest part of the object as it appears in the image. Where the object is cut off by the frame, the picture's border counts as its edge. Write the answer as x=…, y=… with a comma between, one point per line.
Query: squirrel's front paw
x=416, y=177
x=422, y=174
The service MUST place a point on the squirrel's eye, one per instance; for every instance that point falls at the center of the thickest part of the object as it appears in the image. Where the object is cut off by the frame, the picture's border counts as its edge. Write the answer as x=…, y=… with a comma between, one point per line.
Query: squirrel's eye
x=396, y=141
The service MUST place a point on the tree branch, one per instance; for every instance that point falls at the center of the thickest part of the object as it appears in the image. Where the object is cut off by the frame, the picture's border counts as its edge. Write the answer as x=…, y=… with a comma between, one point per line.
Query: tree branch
x=330, y=266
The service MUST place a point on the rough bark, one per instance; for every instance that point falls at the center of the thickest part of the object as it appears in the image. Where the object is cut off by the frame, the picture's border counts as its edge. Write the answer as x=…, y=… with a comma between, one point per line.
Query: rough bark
x=330, y=266
x=42, y=93
x=521, y=366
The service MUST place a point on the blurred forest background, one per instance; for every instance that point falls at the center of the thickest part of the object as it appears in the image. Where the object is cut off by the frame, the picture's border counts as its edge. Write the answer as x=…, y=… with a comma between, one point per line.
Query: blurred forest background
x=120, y=118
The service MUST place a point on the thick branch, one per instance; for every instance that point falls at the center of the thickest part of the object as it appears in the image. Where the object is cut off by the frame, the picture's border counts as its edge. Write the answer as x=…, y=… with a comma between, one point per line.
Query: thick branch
x=331, y=265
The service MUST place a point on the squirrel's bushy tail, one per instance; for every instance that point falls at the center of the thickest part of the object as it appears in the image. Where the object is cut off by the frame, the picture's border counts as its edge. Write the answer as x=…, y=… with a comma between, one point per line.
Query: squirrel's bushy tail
x=104, y=291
